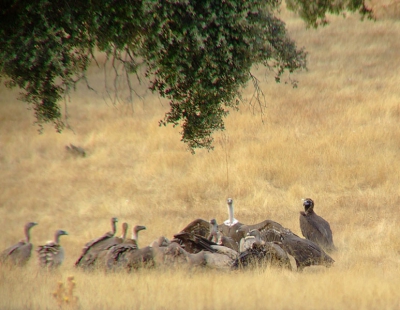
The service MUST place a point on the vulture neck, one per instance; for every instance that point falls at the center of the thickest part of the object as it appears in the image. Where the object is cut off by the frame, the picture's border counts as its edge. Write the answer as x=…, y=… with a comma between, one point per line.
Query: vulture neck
x=214, y=233
x=27, y=234
x=57, y=238
x=309, y=211
x=124, y=231
x=231, y=221
x=113, y=227
x=135, y=235
x=219, y=238
x=257, y=237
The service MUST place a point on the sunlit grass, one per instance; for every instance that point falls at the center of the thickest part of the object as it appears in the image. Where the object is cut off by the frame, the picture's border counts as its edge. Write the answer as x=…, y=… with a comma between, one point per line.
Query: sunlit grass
x=335, y=139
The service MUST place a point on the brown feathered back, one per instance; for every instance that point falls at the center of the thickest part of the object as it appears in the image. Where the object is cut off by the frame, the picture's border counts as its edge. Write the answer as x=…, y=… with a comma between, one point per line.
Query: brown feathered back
x=97, y=247
x=51, y=255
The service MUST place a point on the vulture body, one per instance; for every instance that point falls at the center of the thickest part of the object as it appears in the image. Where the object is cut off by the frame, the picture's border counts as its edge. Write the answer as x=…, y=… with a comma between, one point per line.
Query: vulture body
x=218, y=260
x=172, y=255
x=246, y=243
x=118, y=255
x=261, y=253
x=161, y=242
x=94, y=251
x=139, y=258
x=305, y=252
x=314, y=227
x=176, y=256
x=51, y=255
x=199, y=227
x=229, y=243
x=263, y=226
x=193, y=243
x=217, y=237
x=196, y=237
x=20, y=253
x=221, y=249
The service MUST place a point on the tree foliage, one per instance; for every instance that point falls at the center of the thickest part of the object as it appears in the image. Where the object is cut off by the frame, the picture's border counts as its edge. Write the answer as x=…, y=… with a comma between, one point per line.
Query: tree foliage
x=198, y=54
x=314, y=12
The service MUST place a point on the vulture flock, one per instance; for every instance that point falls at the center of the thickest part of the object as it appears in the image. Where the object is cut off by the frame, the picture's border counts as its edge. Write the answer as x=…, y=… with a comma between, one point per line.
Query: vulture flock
x=230, y=245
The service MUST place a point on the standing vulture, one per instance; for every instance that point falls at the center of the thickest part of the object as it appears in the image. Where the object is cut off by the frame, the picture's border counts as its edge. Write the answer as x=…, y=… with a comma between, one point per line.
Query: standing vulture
x=19, y=253
x=117, y=255
x=96, y=248
x=315, y=228
x=229, y=228
x=51, y=254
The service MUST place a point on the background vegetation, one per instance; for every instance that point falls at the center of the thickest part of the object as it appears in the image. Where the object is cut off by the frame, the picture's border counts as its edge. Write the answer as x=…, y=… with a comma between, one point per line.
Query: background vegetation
x=335, y=139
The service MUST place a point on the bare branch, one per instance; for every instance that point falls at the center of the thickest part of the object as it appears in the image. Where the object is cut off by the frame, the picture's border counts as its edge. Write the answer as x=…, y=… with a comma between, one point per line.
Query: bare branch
x=257, y=101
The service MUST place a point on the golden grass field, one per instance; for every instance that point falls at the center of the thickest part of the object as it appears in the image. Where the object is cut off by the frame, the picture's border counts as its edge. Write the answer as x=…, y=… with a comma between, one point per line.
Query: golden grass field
x=335, y=139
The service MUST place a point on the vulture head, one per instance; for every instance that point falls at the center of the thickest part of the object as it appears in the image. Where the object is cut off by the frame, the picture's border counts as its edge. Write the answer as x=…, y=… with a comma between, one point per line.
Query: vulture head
x=30, y=225
x=139, y=228
x=61, y=232
x=308, y=204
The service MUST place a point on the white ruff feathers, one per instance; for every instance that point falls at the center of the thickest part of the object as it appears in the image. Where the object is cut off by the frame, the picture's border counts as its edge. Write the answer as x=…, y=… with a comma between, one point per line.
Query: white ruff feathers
x=229, y=223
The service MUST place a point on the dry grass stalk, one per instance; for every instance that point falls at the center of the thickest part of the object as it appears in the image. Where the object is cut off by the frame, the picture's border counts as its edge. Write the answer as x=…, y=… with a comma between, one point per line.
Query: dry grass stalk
x=64, y=295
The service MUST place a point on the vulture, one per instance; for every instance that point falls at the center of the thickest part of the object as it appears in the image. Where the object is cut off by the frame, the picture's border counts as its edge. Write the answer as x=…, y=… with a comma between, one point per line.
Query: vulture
x=246, y=243
x=196, y=236
x=161, y=242
x=261, y=253
x=118, y=255
x=217, y=237
x=229, y=228
x=51, y=255
x=218, y=260
x=214, y=233
x=193, y=243
x=175, y=255
x=19, y=253
x=263, y=227
x=139, y=258
x=315, y=228
x=171, y=255
x=199, y=227
x=221, y=249
x=96, y=248
x=228, y=242
x=305, y=252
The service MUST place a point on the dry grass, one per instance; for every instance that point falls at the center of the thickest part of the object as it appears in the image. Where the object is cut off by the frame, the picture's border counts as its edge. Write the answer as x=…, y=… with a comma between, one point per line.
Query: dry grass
x=335, y=139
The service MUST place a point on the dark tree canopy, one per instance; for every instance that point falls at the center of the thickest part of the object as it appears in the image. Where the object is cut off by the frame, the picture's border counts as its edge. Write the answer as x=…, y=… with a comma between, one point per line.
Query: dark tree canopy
x=197, y=54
